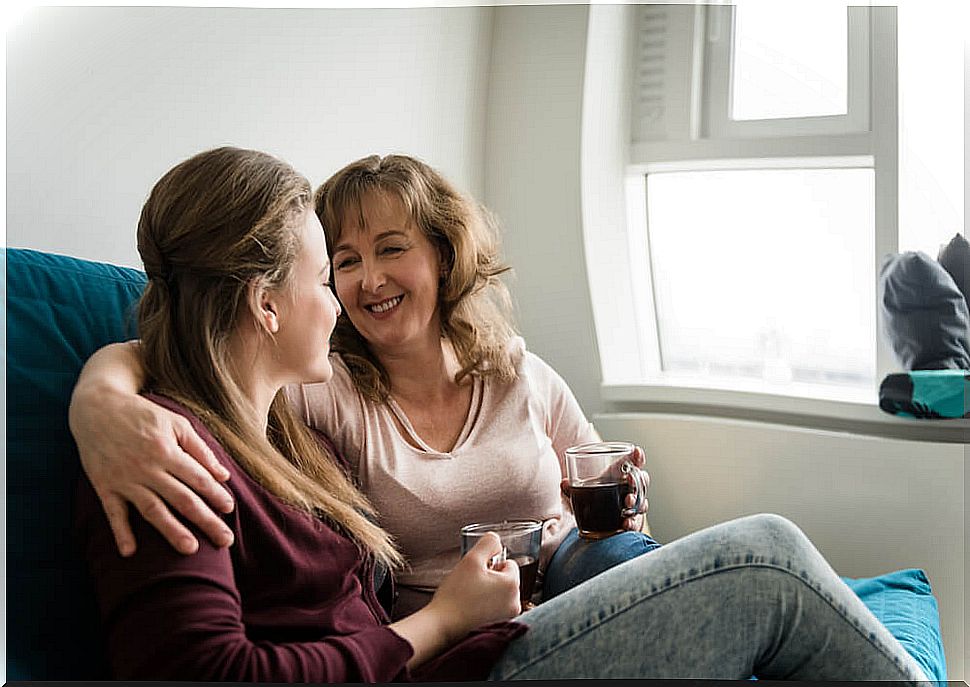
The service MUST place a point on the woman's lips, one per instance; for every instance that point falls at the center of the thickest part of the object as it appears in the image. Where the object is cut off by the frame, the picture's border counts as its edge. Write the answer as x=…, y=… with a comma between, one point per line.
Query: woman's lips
x=384, y=308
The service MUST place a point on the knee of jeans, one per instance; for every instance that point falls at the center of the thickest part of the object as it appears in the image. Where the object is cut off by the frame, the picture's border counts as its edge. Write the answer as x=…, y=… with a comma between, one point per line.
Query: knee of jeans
x=776, y=529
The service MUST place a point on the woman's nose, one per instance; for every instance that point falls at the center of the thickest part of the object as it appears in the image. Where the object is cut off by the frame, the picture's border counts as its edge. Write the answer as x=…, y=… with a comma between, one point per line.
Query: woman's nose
x=373, y=277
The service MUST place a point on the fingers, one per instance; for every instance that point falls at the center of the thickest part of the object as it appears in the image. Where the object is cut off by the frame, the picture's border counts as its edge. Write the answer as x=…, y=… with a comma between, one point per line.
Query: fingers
x=485, y=548
x=633, y=523
x=188, y=504
x=564, y=488
x=638, y=457
x=631, y=478
x=154, y=510
x=193, y=445
x=510, y=570
x=117, y=511
x=184, y=467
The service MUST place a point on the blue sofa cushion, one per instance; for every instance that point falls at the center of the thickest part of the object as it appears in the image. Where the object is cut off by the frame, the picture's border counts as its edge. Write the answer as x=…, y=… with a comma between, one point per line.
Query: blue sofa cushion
x=904, y=603
x=59, y=311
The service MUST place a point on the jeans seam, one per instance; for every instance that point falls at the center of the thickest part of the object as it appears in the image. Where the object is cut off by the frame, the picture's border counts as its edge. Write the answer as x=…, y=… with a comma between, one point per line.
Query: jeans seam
x=697, y=576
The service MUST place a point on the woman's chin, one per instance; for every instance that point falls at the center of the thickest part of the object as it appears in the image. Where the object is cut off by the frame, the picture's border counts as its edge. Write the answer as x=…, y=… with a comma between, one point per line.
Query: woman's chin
x=320, y=375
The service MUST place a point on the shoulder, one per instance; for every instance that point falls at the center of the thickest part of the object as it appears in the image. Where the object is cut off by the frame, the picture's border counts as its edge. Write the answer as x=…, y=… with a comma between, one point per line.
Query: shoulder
x=197, y=424
x=178, y=408
x=516, y=351
x=529, y=364
x=533, y=376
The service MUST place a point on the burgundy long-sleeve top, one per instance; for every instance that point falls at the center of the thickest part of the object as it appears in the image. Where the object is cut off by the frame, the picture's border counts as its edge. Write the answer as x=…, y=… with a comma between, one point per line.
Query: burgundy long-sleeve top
x=292, y=600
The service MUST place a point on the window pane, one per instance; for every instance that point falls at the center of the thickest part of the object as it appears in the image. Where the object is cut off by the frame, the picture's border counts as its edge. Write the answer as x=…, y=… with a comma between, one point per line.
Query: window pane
x=765, y=274
x=790, y=60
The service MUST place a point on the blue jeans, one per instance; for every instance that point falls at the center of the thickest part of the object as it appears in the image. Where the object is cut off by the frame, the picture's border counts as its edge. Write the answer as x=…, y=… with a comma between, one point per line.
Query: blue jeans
x=748, y=597
x=576, y=560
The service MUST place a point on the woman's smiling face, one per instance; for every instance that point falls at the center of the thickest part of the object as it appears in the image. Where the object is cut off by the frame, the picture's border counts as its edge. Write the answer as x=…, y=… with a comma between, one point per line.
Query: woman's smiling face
x=387, y=274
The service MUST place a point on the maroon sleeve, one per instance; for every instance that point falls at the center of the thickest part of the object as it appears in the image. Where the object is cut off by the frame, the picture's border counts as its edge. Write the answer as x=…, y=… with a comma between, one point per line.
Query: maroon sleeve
x=172, y=617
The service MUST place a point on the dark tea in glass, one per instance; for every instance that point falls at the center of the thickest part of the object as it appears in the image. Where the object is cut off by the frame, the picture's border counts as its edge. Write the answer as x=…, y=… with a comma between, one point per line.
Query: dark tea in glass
x=601, y=475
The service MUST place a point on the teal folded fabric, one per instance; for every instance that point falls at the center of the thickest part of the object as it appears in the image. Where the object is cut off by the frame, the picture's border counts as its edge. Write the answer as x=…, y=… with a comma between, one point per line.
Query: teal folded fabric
x=927, y=393
x=903, y=601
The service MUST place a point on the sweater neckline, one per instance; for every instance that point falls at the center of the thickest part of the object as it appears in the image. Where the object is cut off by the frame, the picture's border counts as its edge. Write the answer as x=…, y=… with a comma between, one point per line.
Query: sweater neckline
x=414, y=440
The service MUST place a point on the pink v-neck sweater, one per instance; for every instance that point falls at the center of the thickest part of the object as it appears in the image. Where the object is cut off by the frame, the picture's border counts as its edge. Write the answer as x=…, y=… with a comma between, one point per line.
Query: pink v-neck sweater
x=506, y=464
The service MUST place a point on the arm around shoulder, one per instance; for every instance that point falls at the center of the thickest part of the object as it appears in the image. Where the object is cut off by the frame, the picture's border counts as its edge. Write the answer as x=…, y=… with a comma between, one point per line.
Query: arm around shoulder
x=135, y=451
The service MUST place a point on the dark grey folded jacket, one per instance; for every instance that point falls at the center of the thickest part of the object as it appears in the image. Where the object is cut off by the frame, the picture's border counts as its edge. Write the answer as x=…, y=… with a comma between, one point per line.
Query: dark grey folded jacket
x=923, y=314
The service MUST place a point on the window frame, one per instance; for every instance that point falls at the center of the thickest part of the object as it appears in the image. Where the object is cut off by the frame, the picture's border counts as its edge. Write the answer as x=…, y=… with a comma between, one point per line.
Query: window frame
x=719, y=27
x=615, y=160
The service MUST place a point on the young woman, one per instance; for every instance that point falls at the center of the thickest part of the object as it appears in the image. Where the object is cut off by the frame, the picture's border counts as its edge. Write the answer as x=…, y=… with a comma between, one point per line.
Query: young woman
x=445, y=417
x=238, y=306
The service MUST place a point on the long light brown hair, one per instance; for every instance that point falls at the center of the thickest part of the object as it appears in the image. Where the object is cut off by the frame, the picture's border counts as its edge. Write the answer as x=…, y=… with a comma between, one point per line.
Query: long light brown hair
x=211, y=226
x=473, y=303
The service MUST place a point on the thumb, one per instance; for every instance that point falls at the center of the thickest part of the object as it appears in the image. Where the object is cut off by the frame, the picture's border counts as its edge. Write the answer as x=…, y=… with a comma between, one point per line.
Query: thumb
x=488, y=546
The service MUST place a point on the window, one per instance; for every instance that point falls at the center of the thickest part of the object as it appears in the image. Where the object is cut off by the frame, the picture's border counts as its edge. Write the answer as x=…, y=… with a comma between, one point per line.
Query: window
x=784, y=69
x=788, y=64
x=759, y=189
x=741, y=293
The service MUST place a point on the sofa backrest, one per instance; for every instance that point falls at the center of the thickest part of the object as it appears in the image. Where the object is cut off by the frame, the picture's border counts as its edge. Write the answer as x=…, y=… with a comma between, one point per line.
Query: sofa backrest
x=59, y=311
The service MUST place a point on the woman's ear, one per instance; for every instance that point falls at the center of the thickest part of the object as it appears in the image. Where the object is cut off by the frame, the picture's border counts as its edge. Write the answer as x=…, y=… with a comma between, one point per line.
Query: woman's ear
x=264, y=304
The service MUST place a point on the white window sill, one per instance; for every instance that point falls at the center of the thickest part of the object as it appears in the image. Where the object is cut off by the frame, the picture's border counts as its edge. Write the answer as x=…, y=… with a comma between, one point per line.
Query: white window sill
x=799, y=405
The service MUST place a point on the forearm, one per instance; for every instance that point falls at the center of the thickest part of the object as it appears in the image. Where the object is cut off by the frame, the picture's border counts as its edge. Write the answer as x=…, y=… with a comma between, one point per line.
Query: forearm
x=116, y=367
x=428, y=632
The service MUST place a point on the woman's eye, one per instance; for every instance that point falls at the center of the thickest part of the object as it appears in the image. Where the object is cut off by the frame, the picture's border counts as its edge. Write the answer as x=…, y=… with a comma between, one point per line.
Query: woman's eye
x=345, y=263
x=392, y=250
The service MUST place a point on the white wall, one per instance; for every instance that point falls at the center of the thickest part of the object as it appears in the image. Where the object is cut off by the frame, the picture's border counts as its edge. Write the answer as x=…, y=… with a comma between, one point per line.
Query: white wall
x=532, y=182
x=102, y=101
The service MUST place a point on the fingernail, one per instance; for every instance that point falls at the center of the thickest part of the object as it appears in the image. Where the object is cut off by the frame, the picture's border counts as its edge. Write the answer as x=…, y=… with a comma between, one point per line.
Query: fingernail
x=188, y=546
x=227, y=506
x=226, y=539
x=127, y=550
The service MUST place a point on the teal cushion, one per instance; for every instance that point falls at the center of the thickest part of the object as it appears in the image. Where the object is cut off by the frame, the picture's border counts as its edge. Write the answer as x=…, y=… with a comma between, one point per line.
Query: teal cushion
x=904, y=603
x=59, y=311
x=926, y=393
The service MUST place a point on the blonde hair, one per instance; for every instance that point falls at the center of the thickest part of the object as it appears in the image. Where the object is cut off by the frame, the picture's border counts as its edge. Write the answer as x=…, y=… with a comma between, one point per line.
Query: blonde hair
x=473, y=302
x=211, y=226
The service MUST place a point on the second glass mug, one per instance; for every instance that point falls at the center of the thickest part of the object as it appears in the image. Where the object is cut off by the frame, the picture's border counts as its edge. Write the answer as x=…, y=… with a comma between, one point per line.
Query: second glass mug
x=601, y=474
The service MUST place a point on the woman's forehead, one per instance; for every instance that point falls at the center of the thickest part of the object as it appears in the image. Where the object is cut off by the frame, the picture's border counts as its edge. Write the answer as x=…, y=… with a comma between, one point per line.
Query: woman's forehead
x=373, y=212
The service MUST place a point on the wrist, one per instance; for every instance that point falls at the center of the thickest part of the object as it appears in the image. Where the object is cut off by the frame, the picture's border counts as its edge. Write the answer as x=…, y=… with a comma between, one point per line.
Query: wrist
x=449, y=622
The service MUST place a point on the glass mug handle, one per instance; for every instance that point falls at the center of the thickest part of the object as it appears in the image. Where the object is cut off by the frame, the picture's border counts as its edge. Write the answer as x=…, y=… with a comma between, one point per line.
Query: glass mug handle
x=639, y=487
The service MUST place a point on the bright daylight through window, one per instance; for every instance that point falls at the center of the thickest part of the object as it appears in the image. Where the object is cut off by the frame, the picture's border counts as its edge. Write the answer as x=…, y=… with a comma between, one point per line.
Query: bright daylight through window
x=770, y=277
x=789, y=64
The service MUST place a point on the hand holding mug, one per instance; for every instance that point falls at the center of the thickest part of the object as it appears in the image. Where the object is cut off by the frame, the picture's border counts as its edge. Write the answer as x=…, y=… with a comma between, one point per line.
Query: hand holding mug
x=476, y=593
x=521, y=541
x=607, y=487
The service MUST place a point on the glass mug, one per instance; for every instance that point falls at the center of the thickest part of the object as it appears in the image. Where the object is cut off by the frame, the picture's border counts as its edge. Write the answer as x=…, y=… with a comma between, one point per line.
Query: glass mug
x=601, y=474
x=521, y=541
